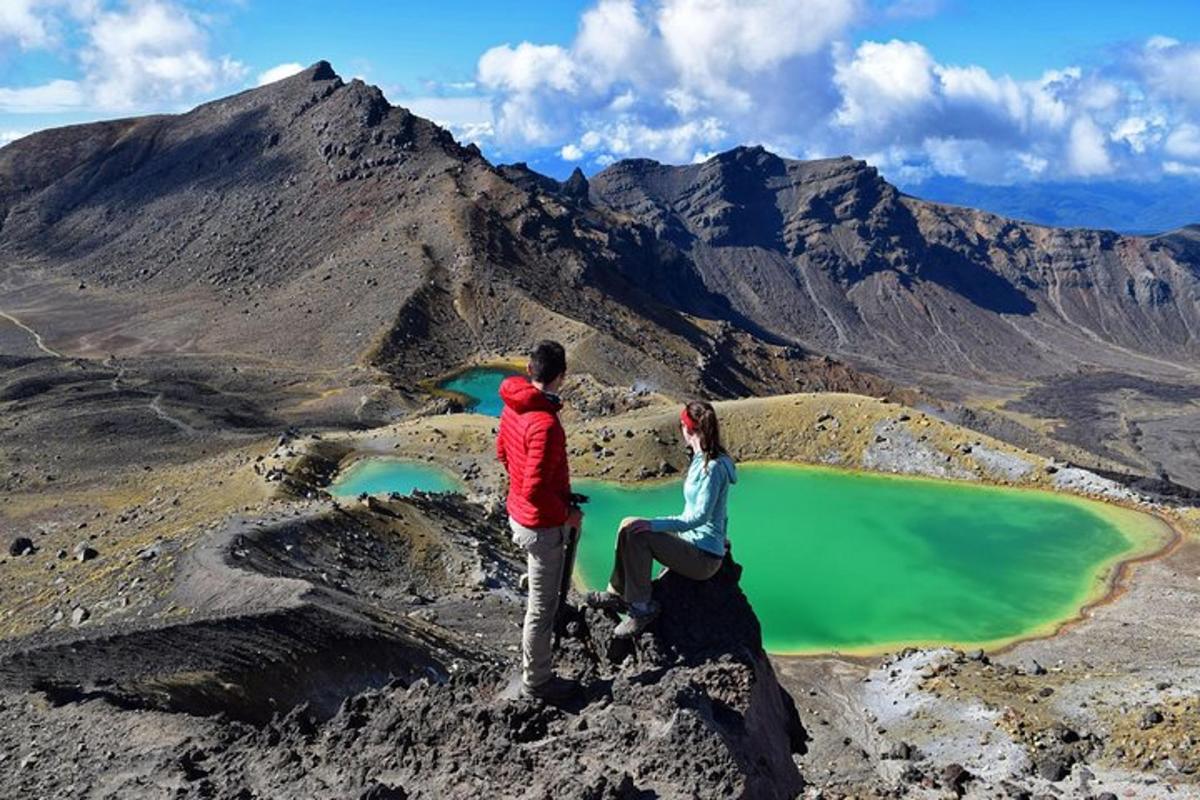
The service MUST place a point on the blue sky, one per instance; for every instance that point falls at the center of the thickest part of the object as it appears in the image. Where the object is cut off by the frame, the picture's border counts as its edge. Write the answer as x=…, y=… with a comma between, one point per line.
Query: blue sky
x=993, y=92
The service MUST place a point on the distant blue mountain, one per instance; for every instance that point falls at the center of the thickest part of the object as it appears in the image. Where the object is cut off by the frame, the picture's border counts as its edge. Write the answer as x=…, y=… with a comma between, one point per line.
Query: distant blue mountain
x=1128, y=207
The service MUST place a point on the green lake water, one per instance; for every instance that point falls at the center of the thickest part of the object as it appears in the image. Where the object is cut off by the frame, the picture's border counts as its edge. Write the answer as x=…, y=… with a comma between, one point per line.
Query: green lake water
x=859, y=562
x=855, y=562
x=481, y=387
x=383, y=475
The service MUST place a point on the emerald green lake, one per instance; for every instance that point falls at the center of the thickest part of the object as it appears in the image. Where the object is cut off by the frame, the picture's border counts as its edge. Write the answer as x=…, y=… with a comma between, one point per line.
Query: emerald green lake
x=856, y=562
x=383, y=475
x=860, y=562
x=481, y=387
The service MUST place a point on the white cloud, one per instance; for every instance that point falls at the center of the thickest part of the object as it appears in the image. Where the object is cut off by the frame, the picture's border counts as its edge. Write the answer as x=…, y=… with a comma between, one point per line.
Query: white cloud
x=614, y=43
x=678, y=79
x=58, y=95
x=1169, y=69
x=718, y=47
x=34, y=24
x=1179, y=168
x=278, y=73
x=1086, y=151
x=137, y=55
x=21, y=23
x=527, y=67
x=151, y=51
x=1139, y=133
x=1184, y=142
x=883, y=83
x=913, y=114
x=659, y=74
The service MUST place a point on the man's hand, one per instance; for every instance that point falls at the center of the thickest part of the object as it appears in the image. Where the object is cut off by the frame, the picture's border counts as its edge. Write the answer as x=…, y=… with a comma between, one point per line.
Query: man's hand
x=635, y=525
x=575, y=519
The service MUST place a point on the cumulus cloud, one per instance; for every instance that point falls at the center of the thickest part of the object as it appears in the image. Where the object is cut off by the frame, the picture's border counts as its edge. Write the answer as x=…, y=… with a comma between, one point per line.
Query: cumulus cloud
x=680, y=79
x=883, y=86
x=1184, y=142
x=1180, y=168
x=33, y=24
x=278, y=73
x=20, y=23
x=134, y=55
x=54, y=96
x=1169, y=69
x=1087, y=153
x=527, y=67
x=151, y=50
x=669, y=78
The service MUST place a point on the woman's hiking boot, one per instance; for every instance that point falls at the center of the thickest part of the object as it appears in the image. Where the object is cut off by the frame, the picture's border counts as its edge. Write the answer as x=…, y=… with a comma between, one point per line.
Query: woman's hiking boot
x=637, y=621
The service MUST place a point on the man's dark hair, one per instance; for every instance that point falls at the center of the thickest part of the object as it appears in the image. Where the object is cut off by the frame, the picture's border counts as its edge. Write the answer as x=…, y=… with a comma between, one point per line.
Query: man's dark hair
x=547, y=361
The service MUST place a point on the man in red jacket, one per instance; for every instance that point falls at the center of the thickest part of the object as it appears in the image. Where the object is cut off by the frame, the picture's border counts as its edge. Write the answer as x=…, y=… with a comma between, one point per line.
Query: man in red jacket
x=533, y=448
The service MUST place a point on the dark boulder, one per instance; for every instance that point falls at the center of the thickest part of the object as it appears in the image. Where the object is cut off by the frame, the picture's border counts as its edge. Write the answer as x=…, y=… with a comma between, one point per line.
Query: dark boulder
x=955, y=778
x=1053, y=767
x=20, y=546
x=382, y=791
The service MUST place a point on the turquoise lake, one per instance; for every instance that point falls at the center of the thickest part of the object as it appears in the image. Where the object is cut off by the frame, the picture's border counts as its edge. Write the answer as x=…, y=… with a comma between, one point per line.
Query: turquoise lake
x=481, y=387
x=860, y=562
x=384, y=475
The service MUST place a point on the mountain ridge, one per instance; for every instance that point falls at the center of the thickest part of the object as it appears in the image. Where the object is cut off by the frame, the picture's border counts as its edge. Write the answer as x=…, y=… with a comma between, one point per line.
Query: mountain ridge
x=310, y=221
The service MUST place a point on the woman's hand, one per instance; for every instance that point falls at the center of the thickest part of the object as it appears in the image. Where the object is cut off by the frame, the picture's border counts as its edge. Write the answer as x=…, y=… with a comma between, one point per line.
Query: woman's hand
x=635, y=525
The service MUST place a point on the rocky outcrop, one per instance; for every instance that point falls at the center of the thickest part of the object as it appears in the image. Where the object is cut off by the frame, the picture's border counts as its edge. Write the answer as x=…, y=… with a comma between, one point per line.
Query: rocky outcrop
x=693, y=710
x=373, y=648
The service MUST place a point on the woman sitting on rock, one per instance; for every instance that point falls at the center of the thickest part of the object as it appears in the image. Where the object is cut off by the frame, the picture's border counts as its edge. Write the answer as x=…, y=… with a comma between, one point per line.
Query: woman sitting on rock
x=692, y=544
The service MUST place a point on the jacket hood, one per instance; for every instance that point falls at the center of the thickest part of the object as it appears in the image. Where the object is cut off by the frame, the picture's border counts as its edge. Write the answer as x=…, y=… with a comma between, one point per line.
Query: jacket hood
x=521, y=396
x=722, y=462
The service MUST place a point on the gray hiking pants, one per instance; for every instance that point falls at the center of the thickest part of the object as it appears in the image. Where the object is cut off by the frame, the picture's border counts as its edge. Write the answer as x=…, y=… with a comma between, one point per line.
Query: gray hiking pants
x=545, y=551
x=637, y=552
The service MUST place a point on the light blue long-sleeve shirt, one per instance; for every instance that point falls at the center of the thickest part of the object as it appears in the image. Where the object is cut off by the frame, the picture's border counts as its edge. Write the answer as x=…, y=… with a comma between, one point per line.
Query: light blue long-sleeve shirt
x=704, y=519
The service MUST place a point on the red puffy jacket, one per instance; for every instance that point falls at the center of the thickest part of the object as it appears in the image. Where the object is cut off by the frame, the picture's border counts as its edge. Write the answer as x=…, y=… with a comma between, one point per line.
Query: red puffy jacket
x=532, y=445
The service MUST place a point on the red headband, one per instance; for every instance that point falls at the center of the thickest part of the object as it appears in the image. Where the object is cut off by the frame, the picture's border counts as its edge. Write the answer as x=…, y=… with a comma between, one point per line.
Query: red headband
x=686, y=419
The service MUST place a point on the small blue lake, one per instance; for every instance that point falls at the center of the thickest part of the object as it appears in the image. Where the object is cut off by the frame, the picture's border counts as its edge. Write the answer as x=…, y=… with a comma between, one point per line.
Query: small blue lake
x=385, y=475
x=480, y=386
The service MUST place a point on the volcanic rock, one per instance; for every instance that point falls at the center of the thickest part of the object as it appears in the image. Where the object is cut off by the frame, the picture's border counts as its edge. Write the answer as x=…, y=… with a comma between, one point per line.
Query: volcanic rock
x=20, y=546
x=1053, y=767
x=691, y=710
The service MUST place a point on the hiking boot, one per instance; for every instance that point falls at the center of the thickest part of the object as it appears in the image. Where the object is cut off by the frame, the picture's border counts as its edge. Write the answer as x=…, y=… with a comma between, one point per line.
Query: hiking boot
x=605, y=601
x=554, y=690
x=636, y=622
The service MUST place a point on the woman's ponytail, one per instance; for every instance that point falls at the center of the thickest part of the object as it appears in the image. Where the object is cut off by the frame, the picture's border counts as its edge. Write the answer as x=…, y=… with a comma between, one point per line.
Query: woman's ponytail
x=704, y=417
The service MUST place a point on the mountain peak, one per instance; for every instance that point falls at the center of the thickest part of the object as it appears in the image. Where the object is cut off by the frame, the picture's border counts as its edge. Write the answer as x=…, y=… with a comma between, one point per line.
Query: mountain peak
x=321, y=71
x=743, y=152
x=577, y=185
